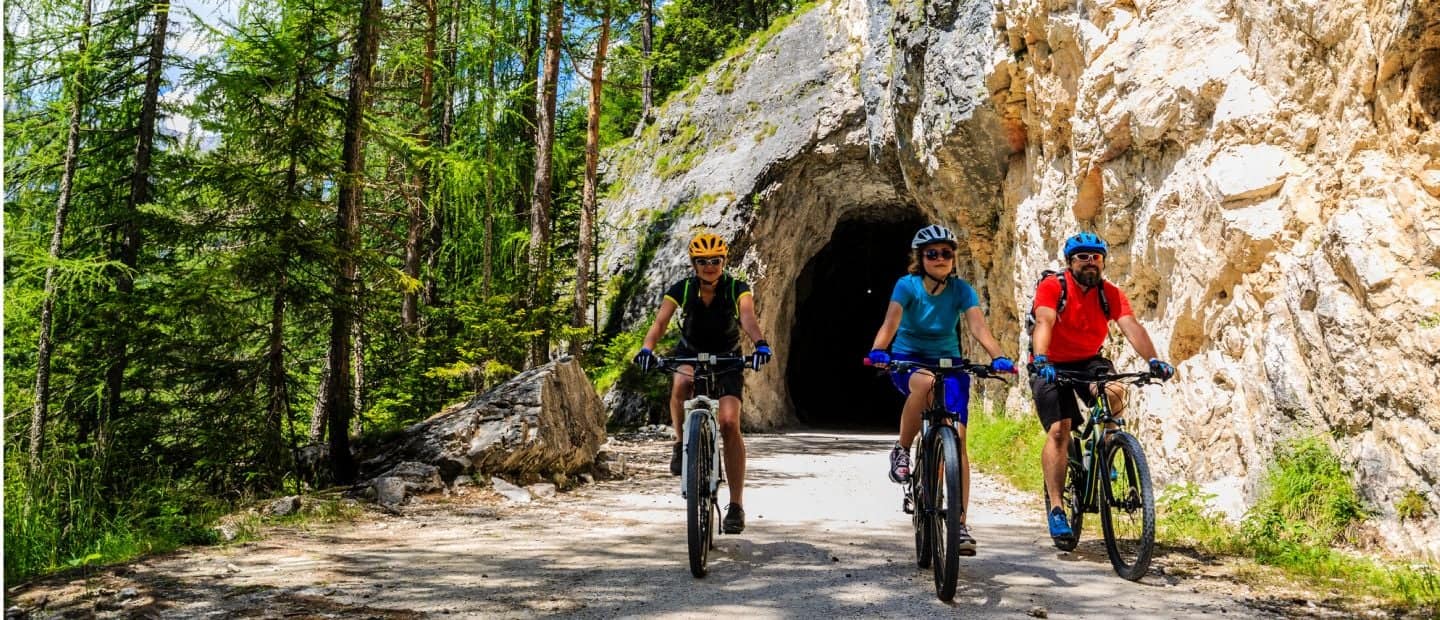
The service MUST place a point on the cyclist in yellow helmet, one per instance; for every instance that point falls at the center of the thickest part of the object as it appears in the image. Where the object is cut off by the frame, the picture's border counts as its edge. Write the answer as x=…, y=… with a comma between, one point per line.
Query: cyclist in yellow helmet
x=715, y=307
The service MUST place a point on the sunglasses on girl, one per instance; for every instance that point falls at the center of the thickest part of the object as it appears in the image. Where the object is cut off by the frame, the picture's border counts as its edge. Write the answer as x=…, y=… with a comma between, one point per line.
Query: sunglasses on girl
x=1086, y=257
x=709, y=262
x=937, y=254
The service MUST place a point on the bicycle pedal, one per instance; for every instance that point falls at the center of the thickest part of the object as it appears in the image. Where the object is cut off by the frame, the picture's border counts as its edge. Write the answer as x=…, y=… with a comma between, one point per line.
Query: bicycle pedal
x=907, y=507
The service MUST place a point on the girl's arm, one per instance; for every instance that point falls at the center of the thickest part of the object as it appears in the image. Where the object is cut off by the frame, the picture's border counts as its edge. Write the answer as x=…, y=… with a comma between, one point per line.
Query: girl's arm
x=976, y=321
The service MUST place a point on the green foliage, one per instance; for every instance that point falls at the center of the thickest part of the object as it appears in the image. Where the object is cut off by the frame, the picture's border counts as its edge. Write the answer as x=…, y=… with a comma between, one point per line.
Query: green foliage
x=1413, y=505
x=1183, y=516
x=1308, y=499
x=1008, y=446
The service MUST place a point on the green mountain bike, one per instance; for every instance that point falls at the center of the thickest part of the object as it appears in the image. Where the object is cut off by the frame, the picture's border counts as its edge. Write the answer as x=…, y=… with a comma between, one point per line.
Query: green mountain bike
x=1116, y=485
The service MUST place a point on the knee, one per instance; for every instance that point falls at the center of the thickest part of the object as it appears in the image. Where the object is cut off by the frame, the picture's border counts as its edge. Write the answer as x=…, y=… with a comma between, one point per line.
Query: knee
x=1059, y=432
x=681, y=387
x=729, y=424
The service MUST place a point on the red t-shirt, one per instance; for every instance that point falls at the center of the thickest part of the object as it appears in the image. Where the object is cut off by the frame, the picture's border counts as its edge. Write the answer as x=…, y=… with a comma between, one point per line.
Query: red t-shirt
x=1081, y=329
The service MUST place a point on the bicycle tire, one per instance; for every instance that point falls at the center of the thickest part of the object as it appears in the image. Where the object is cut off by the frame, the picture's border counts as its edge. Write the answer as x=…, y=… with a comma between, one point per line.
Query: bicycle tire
x=920, y=507
x=949, y=501
x=1127, y=497
x=700, y=522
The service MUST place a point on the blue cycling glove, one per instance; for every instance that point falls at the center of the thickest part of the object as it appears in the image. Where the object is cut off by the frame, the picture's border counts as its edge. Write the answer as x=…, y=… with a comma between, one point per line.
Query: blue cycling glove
x=1160, y=370
x=1002, y=364
x=762, y=354
x=646, y=360
x=1042, y=366
x=878, y=357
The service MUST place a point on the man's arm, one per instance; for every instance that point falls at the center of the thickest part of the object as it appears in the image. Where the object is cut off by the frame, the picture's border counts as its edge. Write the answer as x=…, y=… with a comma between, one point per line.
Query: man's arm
x=1044, y=326
x=1136, y=334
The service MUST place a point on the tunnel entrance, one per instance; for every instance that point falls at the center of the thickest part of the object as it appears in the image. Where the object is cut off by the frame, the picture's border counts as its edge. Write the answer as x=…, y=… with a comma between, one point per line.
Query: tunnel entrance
x=841, y=297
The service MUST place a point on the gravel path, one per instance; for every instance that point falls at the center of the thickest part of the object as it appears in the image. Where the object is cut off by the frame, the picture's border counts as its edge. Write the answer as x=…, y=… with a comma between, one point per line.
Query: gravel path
x=825, y=538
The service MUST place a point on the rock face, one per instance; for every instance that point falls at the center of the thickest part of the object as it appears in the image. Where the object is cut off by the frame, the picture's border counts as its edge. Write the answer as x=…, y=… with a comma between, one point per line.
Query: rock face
x=547, y=420
x=1266, y=173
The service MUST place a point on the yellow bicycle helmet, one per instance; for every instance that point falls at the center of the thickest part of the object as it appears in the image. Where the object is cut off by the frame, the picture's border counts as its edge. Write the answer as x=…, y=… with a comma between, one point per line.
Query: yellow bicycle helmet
x=707, y=244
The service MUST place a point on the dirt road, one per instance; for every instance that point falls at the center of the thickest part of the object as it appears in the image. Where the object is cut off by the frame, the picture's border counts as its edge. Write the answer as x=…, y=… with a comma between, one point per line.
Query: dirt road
x=826, y=538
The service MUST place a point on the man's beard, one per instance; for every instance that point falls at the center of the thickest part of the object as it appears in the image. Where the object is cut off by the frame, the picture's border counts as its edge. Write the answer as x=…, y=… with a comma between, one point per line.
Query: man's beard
x=1089, y=276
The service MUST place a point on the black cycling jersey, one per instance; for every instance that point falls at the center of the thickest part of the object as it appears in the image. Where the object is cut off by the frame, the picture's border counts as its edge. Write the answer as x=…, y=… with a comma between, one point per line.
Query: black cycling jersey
x=713, y=328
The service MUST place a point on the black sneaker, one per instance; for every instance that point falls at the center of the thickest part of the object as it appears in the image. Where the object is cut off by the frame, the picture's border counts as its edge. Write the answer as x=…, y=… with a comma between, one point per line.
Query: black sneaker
x=676, y=453
x=899, y=464
x=966, y=544
x=734, y=519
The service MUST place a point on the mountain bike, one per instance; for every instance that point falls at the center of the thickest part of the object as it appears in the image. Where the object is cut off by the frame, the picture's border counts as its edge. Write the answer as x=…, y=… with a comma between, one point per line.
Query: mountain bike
x=934, y=498
x=1117, y=485
x=701, y=472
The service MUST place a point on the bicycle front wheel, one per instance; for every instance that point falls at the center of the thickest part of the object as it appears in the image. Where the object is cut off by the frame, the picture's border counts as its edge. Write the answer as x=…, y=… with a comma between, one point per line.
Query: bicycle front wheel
x=1127, y=510
x=700, y=522
x=920, y=507
x=943, y=475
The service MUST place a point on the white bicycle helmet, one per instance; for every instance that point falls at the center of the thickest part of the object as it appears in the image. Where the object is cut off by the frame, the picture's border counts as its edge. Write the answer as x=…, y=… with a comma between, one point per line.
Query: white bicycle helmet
x=933, y=233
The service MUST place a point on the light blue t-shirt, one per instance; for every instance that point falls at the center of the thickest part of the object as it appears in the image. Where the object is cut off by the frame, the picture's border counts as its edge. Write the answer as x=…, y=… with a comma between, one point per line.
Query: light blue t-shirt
x=927, y=323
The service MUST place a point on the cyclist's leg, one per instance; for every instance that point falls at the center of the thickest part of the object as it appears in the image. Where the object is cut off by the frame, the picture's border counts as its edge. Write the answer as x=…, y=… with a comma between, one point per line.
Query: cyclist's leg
x=1115, y=392
x=1057, y=410
x=920, y=384
x=679, y=392
x=734, y=448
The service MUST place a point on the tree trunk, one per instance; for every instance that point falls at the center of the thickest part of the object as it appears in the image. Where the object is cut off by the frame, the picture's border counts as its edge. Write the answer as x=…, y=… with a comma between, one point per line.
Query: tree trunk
x=587, y=192
x=128, y=253
x=647, y=13
x=340, y=398
x=57, y=236
x=545, y=89
x=414, y=233
x=322, y=404
x=529, y=108
x=447, y=129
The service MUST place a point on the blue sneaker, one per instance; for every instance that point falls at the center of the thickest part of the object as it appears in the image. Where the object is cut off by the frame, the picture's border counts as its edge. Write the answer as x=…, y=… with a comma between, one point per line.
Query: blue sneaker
x=1059, y=527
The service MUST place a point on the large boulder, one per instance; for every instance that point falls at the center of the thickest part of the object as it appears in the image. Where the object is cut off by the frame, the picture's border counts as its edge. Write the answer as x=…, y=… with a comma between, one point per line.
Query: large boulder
x=545, y=421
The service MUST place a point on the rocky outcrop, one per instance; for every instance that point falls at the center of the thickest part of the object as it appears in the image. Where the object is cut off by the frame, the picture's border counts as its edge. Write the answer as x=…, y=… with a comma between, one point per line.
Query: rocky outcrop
x=545, y=421
x=1268, y=175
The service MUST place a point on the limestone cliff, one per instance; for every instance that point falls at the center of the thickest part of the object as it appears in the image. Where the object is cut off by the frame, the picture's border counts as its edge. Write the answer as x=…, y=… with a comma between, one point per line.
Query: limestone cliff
x=1268, y=174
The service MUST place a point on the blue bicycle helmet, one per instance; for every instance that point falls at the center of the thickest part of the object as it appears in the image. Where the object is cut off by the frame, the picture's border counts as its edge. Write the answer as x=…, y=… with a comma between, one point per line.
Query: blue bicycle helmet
x=1085, y=242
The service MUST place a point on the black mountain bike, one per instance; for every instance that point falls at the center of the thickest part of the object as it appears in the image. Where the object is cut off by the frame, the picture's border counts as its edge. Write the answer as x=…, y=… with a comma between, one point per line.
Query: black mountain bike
x=701, y=472
x=1117, y=485
x=934, y=498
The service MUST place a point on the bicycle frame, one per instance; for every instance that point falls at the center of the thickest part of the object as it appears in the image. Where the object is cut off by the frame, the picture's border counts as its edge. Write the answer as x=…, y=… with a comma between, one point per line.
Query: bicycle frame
x=1097, y=428
x=704, y=376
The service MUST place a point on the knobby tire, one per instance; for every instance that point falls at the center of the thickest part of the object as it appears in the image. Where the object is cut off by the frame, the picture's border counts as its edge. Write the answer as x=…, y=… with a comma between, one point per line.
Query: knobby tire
x=1127, y=510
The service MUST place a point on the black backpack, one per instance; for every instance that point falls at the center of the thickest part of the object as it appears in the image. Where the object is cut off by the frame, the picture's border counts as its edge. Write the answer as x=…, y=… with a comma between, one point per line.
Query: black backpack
x=1060, y=303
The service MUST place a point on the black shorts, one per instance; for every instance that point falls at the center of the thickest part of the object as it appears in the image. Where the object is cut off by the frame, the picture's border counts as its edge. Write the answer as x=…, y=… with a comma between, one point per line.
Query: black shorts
x=1054, y=402
x=729, y=377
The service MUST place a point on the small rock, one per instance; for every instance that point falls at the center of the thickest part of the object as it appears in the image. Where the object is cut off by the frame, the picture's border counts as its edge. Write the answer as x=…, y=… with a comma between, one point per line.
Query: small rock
x=127, y=594
x=587, y=478
x=1038, y=612
x=834, y=559
x=542, y=490
x=231, y=568
x=283, y=506
x=510, y=491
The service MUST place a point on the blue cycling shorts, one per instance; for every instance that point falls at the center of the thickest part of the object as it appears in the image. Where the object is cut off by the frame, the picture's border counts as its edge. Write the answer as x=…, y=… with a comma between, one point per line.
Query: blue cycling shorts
x=957, y=386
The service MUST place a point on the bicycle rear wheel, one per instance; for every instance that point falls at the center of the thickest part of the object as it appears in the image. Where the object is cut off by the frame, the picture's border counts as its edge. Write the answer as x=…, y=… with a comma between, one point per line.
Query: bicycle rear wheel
x=944, y=477
x=1072, y=496
x=700, y=521
x=1127, y=510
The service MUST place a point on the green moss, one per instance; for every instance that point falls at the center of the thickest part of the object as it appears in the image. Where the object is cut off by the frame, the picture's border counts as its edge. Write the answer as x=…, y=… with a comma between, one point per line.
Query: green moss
x=766, y=130
x=1413, y=505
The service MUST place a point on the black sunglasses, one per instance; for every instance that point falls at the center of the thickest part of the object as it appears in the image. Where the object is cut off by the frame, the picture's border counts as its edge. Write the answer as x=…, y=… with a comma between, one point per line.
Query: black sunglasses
x=1086, y=257
x=938, y=254
x=709, y=262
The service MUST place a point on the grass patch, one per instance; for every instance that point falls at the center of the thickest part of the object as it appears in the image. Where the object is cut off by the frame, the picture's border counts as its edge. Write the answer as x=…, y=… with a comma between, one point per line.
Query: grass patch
x=1413, y=505
x=1308, y=509
x=1007, y=446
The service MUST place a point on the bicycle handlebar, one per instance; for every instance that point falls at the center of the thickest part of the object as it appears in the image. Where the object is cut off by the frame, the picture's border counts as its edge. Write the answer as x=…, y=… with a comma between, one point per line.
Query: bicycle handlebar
x=946, y=365
x=672, y=364
x=1072, y=377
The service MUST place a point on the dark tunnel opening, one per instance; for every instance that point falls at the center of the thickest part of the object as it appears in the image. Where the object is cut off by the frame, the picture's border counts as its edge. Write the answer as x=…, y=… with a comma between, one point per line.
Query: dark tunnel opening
x=841, y=297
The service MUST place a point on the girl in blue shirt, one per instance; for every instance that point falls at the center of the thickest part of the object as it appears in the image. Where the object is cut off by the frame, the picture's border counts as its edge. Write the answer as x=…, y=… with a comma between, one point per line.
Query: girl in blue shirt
x=920, y=325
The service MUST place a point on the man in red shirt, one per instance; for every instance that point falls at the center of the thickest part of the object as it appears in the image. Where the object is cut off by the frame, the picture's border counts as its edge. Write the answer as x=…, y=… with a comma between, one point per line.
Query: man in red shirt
x=1070, y=339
